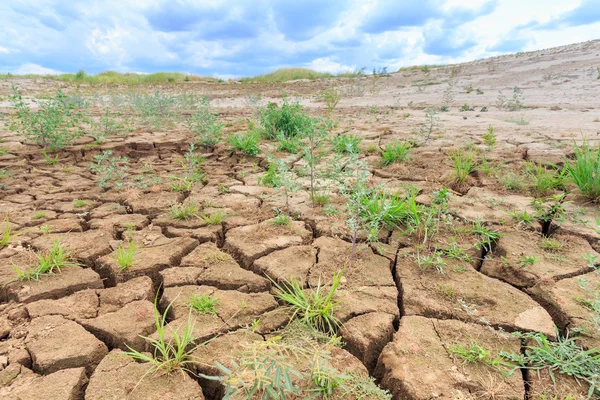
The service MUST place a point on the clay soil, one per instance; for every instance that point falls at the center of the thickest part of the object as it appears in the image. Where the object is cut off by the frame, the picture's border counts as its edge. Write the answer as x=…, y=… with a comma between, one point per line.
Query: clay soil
x=61, y=337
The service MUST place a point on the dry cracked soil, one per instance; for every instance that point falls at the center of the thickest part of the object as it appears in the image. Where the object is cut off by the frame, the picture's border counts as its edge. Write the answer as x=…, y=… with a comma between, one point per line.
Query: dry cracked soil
x=63, y=335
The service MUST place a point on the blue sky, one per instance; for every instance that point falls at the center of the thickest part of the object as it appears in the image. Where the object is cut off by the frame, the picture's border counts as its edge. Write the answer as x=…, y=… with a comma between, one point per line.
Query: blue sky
x=230, y=38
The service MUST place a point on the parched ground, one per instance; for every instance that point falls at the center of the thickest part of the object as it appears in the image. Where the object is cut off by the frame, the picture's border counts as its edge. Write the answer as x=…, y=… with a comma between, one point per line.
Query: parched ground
x=62, y=337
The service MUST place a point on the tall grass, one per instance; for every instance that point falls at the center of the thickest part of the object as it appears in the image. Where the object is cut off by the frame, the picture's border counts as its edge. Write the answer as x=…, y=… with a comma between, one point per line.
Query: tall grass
x=290, y=74
x=584, y=170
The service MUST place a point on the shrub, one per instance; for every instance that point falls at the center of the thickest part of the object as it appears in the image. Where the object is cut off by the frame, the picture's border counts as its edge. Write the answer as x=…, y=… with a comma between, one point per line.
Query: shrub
x=288, y=120
x=53, y=126
x=205, y=125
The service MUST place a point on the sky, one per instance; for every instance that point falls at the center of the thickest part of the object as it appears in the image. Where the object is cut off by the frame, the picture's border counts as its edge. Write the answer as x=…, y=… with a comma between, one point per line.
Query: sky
x=233, y=38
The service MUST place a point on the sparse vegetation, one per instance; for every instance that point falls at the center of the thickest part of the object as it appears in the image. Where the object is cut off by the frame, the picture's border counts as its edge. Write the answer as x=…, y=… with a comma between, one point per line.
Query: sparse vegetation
x=53, y=126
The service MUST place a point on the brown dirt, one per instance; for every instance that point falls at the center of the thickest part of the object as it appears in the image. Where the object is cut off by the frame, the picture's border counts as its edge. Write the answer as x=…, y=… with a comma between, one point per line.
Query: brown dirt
x=399, y=321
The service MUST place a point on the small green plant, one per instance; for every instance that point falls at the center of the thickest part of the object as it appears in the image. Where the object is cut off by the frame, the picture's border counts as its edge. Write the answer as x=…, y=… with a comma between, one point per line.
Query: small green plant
x=395, y=152
x=48, y=159
x=514, y=103
x=525, y=261
x=487, y=235
x=475, y=353
x=281, y=220
x=204, y=304
x=125, y=255
x=168, y=355
x=331, y=97
x=552, y=245
x=430, y=126
x=432, y=260
x=78, y=203
x=290, y=144
x=183, y=211
x=215, y=218
x=205, y=125
x=246, y=142
x=7, y=235
x=316, y=307
x=464, y=164
x=512, y=181
x=46, y=229
x=466, y=107
x=564, y=356
x=346, y=143
x=522, y=217
x=489, y=138
x=320, y=199
x=39, y=215
x=112, y=171
x=543, y=181
x=49, y=263
x=584, y=170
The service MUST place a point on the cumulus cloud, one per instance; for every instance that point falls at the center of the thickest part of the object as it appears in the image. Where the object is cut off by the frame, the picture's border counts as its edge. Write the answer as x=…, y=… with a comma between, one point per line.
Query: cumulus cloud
x=228, y=38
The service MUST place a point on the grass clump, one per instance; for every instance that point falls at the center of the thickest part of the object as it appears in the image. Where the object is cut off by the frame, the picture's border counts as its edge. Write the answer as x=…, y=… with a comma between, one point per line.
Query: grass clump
x=346, y=144
x=464, y=164
x=281, y=220
x=543, y=181
x=48, y=264
x=395, y=152
x=203, y=304
x=183, y=211
x=246, y=142
x=38, y=215
x=288, y=74
x=315, y=307
x=584, y=170
x=168, y=355
x=125, y=255
x=79, y=203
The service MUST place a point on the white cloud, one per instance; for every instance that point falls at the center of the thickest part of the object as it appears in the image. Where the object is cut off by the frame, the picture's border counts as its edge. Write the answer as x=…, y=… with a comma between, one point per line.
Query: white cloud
x=4, y=50
x=325, y=64
x=30, y=68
